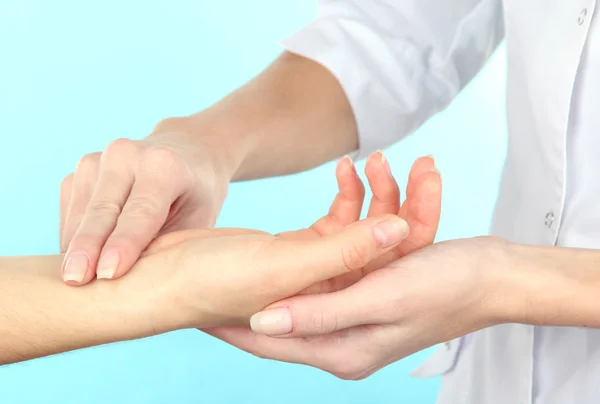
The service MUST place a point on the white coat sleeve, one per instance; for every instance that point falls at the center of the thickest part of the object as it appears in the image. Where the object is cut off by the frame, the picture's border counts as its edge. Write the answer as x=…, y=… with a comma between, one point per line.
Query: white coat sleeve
x=400, y=61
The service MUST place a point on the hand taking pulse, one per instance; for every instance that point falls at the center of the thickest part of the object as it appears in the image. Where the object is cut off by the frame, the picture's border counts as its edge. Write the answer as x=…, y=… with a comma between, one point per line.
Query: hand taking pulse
x=119, y=200
x=201, y=278
x=337, y=250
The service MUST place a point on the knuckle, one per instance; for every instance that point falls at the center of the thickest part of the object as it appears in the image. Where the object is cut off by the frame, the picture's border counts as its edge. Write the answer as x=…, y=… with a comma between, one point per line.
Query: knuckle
x=163, y=157
x=121, y=147
x=88, y=163
x=85, y=241
x=354, y=256
x=142, y=207
x=67, y=182
x=104, y=208
x=324, y=322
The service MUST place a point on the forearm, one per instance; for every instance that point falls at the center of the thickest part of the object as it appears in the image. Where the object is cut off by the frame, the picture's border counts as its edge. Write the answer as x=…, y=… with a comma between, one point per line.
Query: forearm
x=553, y=286
x=40, y=315
x=270, y=126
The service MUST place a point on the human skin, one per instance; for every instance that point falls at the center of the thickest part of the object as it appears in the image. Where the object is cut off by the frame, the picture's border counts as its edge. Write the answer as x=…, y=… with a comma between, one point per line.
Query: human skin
x=118, y=200
x=202, y=278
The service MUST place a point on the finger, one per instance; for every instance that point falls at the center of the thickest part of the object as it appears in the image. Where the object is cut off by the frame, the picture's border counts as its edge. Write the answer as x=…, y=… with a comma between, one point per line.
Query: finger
x=349, y=354
x=284, y=350
x=84, y=182
x=114, y=184
x=323, y=258
x=160, y=181
x=421, y=209
x=66, y=191
x=386, y=193
x=75, y=268
x=347, y=205
x=423, y=205
x=363, y=303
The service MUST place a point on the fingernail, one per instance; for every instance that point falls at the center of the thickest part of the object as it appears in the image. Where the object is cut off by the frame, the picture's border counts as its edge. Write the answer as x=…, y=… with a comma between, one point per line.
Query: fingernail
x=108, y=265
x=391, y=232
x=351, y=164
x=272, y=322
x=434, y=169
x=384, y=162
x=75, y=267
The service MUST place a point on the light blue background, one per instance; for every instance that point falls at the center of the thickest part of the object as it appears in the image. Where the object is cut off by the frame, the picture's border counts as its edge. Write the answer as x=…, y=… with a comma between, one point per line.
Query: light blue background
x=75, y=75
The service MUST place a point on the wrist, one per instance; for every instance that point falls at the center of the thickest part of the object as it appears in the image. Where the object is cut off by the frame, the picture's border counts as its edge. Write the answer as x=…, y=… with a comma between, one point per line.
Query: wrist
x=499, y=268
x=158, y=297
x=222, y=141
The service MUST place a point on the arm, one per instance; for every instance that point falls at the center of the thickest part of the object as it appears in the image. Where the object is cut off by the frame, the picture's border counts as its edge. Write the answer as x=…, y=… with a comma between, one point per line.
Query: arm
x=371, y=72
x=182, y=170
x=271, y=125
x=167, y=289
x=40, y=315
x=433, y=295
x=550, y=286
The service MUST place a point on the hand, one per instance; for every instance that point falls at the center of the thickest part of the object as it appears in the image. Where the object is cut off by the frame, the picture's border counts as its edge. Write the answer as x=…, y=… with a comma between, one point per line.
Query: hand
x=218, y=277
x=119, y=200
x=430, y=296
x=221, y=294
x=421, y=210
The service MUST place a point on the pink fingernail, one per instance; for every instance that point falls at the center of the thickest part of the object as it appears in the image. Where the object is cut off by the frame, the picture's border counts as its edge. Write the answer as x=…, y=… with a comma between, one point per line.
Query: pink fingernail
x=272, y=322
x=76, y=267
x=351, y=164
x=391, y=232
x=434, y=169
x=108, y=265
x=385, y=163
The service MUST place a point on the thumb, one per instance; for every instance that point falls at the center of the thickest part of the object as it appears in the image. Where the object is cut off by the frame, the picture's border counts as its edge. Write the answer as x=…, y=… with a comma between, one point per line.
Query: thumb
x=319, y=314
x=349, y=250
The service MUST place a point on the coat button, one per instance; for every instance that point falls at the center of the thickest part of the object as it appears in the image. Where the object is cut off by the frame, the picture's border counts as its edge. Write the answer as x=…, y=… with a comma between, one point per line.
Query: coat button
x=549, y=220
x=582, y=15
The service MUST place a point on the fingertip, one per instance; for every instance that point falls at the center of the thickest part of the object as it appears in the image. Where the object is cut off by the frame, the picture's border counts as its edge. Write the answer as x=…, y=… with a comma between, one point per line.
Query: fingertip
x=392, y=230
x=385, y=189
x=275, y=322
x=109, y=263
x=373, y=163
x=378, y=168
x=421, y=166
x=348, y=202
x=346, y=171
x=76, y=268
x=345, y=163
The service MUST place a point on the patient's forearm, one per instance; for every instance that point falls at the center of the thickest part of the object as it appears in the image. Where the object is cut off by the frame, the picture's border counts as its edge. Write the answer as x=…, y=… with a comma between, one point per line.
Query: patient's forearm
x=40, y=315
